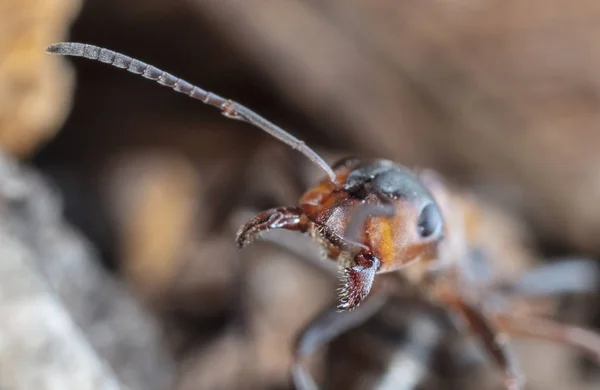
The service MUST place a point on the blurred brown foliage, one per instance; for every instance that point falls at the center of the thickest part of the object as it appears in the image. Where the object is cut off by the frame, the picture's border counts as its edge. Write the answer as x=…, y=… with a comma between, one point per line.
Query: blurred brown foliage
x=35, y=90
x=499, y=96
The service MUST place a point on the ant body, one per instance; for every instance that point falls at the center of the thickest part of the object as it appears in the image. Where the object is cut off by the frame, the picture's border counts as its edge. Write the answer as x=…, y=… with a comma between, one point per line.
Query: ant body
x=378, y=217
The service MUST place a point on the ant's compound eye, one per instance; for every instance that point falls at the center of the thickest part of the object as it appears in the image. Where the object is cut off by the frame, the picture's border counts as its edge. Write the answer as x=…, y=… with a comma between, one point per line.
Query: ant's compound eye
x=430, y=221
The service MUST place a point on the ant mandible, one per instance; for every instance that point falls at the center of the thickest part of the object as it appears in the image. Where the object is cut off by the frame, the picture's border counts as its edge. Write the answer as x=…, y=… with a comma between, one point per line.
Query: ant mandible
x=372, y=217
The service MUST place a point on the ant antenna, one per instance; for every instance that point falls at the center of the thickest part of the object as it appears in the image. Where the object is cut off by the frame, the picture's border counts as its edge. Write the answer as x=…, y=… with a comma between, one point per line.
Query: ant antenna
x=228, y=107
x=363, y=212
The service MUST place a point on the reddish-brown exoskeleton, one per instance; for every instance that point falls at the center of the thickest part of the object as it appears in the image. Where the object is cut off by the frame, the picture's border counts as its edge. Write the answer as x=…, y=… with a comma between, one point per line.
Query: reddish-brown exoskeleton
x=375, y=217
x=340, y=214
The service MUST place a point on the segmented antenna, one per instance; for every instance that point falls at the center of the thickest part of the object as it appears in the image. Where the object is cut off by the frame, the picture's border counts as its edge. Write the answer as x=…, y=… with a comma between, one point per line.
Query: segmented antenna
x=360, y=216
x=228, y=107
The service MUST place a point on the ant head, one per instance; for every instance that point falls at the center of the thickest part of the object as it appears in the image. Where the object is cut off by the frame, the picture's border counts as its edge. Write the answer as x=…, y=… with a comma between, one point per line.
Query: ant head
x=381, y=205
x=376, y=217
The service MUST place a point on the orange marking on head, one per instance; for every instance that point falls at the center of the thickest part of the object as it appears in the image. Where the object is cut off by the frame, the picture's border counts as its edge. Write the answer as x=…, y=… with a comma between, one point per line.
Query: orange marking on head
x=388, y=245
x=381, y=238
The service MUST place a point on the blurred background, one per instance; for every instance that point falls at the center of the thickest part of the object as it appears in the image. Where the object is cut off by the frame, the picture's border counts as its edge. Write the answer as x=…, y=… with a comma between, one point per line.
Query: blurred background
x=119, y=199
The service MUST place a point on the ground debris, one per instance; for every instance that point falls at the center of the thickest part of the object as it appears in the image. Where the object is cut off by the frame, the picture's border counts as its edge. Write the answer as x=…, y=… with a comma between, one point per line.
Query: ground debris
x=66, y=323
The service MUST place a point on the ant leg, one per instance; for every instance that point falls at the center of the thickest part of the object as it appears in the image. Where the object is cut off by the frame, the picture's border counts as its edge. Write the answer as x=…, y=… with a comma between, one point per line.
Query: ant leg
x=587, y=341
x=559, y=277
x=495, y=343
x=289, y=218
x=325, y=327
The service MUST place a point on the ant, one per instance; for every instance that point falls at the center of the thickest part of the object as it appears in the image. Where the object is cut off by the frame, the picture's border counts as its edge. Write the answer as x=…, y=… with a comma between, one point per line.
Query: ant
x=378, y=217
